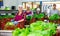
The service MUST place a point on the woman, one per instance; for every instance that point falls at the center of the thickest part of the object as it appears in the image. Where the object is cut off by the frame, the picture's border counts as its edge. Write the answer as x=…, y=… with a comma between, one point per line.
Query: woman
x=28, y=12
x=37, y=9
x=19, y=17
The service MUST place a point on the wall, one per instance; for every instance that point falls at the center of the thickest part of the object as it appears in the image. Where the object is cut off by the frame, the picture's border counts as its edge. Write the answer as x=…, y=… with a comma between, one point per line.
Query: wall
x=10, y=3
x=18, y=2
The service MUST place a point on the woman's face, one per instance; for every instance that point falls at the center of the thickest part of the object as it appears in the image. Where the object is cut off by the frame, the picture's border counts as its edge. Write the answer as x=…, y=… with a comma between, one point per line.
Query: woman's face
x=20, y=8
x=28, y=8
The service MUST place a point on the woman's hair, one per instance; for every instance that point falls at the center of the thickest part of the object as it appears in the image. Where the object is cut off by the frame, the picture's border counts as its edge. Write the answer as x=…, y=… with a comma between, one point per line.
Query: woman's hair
x=20, y=6
x=28, y=6
x=38, y=9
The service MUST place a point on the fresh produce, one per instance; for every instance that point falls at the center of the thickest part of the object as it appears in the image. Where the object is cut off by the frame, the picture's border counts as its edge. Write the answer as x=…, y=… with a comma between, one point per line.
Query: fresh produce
x=6, y=16
x=16, y=32
x=41, y=15
x=11, y=16
x=38, y=16
x=38, y=28
x=54, y=17
x=33, y=9
x=35, y=16
x=0, y=17
x=7, y=8
x=5, y=21
x=20, y=32
x=9, y=24
x=25, y=32
x=29, y=17
x=41, y=26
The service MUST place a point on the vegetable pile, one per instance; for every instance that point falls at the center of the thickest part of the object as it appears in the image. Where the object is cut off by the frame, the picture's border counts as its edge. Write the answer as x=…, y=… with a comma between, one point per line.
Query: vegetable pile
x=9, y=24
x=38, y=28
x=28, y=18
x=6, y=16
x=54, y=17
x=35, y=16
x=41, y=15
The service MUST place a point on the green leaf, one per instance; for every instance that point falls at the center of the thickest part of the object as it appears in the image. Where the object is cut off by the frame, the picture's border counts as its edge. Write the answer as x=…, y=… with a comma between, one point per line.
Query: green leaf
x=54, y=17
x=9, y=24
x=38, y=28
x=41, y=15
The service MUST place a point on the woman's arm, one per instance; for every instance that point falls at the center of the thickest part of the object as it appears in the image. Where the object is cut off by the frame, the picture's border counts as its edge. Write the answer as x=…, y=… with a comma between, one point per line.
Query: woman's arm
x=24, y=17
x=21, y=20
x=32, y=13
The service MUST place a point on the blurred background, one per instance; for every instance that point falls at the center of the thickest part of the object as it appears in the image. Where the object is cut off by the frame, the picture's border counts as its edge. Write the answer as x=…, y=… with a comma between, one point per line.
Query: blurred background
x=9, y=8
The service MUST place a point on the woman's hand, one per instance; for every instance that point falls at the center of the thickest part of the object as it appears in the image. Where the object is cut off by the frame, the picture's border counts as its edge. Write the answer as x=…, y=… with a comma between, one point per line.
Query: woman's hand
x=15, y=22
x=28, y=15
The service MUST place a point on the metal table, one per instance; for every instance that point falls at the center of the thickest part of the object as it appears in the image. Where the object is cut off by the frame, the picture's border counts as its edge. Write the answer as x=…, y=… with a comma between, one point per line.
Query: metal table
x=5, y=32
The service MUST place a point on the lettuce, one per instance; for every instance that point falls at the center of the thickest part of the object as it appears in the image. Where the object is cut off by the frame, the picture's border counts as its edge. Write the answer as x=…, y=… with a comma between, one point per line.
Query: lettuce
x=16, y=32
x=38, y=28
x=41, y=15
x=29, y=17
x=9, y=24
x=38, y=16
x=54, y=17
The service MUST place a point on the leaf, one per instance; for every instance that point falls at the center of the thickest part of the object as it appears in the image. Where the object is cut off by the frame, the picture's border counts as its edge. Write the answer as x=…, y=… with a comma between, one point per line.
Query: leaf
x=54, y=17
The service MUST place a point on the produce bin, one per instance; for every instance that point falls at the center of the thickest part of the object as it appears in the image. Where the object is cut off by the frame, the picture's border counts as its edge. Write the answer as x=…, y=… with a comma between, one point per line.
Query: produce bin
x=9, y=32
x=5, y=32
x=10, y=27
x=58, y=21
x=32, y=20
x=28, y=22
x=58, y=31
x=19, y=25
x=54, y=21
x=41, y=19
x=4, y=21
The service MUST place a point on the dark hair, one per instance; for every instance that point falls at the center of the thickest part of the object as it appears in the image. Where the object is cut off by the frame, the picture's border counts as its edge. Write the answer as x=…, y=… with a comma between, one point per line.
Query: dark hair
x=54, y=4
